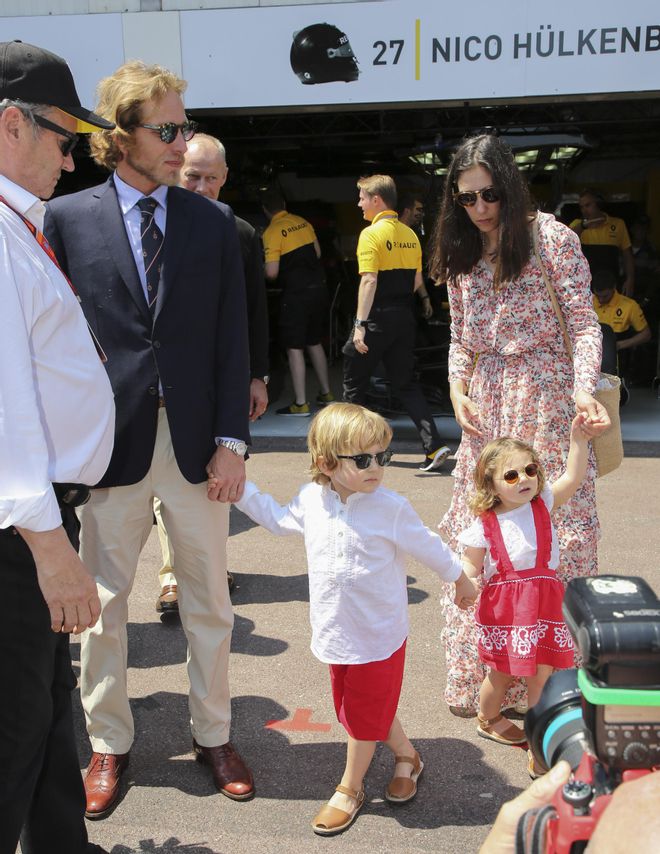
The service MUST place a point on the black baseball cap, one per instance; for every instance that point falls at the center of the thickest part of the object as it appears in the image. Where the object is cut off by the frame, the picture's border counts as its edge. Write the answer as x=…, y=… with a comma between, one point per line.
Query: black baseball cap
x=37, y=76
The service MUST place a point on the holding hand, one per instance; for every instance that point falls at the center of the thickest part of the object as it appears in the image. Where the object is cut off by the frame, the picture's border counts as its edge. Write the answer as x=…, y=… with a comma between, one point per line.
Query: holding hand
x=579, y=429
x=597, y=420
x=467, y=591
x=225, y=476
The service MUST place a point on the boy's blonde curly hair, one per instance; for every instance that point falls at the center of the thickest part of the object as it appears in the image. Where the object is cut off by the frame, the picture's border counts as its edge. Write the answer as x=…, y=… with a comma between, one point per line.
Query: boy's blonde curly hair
x=485, y=496
x=343, y=428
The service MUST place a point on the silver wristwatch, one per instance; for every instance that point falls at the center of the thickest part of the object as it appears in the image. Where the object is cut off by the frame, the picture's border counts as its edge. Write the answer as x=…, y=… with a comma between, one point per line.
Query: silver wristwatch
x=236, y=447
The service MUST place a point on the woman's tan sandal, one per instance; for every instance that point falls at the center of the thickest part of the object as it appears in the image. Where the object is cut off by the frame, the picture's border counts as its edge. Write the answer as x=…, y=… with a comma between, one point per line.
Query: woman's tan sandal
x=403, y=786
x=331, y=819
x=509, y=735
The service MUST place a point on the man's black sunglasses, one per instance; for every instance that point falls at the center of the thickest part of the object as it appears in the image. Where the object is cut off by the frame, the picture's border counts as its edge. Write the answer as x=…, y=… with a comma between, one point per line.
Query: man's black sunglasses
x=66, y=146
x=169, y=130
x=363, y=461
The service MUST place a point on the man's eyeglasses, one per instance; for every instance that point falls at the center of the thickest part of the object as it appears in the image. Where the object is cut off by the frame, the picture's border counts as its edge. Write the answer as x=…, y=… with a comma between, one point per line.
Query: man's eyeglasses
x=363, y=461
x=66, y=145
x=169, y=130
x=467, y=198
x=512, y=476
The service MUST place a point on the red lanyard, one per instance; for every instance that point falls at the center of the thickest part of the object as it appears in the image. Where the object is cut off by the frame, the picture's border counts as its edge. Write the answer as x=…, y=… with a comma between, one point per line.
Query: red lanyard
x=40, y=237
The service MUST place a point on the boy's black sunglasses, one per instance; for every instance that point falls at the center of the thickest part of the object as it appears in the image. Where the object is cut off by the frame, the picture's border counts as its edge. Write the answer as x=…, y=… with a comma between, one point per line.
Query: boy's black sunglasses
x=363, y=461
x=169, y=130
x=66, y=145
x=468, y=198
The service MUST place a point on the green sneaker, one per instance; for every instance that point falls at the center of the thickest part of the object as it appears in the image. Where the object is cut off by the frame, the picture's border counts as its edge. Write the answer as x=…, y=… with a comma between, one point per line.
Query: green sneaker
x=323, y=399
x=299, y=409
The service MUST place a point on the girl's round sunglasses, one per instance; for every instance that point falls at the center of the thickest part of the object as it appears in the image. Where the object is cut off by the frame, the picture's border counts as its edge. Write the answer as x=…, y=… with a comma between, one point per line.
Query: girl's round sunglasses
x=363, y=461
x=468, y=198
x=512, y=476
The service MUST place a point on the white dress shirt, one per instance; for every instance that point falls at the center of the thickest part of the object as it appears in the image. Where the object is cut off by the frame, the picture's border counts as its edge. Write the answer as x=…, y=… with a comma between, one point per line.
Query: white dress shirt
x=57, y=411
x=519, y=535
x=358, y=599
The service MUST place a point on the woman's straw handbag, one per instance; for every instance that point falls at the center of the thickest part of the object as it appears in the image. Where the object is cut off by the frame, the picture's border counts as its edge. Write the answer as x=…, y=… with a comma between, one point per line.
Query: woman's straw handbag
x=608, y=447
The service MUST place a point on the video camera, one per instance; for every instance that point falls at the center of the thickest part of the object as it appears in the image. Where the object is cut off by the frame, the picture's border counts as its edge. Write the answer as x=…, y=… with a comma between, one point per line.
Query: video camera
x=604, y=718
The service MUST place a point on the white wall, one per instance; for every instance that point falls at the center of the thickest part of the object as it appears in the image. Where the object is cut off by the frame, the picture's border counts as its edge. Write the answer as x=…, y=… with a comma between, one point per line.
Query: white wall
x=16, y=8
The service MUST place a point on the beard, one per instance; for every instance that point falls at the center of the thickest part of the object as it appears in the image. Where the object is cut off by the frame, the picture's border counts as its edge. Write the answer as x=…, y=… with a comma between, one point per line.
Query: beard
x=156, y=174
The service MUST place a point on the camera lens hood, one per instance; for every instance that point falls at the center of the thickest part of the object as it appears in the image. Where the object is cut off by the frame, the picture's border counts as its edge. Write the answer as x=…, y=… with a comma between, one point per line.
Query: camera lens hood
x=555, y=727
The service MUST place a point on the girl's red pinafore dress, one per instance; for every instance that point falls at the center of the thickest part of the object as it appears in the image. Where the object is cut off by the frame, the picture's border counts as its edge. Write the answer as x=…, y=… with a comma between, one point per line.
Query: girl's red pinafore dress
x=519, y=617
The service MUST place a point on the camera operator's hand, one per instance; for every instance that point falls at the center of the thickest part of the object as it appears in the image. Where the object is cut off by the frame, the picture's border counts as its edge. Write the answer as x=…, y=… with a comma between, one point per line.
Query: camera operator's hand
x=631, y=821
x=502, y=837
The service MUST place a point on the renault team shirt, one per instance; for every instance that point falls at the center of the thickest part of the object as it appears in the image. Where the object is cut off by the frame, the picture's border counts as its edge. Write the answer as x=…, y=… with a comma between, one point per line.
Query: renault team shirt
x=621, y=313
x=390, y=249
x=612, y=232
x=289, y=239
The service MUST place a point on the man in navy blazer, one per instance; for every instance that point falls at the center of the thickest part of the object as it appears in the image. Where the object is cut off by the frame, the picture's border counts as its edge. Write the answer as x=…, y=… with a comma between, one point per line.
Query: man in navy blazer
x=158, y=270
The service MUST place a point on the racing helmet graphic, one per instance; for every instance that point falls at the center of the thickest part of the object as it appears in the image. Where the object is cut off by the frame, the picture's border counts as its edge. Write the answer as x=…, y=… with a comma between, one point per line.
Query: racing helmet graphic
x=321, y=53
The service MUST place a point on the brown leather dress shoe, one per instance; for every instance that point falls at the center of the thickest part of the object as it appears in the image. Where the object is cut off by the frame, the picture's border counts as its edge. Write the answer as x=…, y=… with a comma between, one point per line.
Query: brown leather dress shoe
x=167, y=602
x=102, y=782
x=231, y=775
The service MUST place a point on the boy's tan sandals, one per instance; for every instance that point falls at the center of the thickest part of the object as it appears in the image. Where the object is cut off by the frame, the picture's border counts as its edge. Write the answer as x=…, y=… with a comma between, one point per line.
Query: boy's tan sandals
x=403, y=785
x=331, y=820
x=509, y=735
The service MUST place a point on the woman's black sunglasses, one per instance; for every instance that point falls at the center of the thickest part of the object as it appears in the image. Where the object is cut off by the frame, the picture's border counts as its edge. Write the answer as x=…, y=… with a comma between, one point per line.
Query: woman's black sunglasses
x=169, y=130
x=66, y=145
x=512, y=476
x=467, y=198
x=363, y=461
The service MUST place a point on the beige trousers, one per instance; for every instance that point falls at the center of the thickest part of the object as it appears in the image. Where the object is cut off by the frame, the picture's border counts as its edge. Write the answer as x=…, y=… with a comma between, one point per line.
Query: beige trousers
x=116, y=523
x=166, y=572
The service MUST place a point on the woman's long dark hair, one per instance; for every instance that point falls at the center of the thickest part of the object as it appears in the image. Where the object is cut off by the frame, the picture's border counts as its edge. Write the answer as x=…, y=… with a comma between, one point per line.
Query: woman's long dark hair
x=456, y=244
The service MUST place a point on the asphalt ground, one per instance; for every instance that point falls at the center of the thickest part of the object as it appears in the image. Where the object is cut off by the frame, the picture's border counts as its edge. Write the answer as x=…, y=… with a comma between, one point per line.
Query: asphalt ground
x=170, y=804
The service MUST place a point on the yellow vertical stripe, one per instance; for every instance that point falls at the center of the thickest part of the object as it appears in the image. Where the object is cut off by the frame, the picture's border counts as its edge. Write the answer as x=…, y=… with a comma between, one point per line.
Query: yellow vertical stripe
x=418, y=28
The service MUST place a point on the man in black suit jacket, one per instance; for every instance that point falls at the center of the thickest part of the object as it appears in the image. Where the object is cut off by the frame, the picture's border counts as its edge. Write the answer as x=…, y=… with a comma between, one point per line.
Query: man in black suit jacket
x=205, y=172
x=159, y=273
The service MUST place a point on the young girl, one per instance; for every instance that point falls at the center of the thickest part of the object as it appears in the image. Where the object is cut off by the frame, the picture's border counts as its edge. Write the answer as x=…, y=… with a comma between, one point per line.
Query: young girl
x=519, y=618
x=356, y=534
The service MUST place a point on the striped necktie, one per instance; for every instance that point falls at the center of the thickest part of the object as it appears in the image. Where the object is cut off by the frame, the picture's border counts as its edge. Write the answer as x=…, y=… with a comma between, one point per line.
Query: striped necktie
x=152, y=244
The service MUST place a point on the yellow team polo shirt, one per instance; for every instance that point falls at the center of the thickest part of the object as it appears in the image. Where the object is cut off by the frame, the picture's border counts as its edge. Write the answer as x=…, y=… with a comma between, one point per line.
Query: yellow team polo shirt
x=289, y=239
x=621, y=313
x=612, y=232
x=390, y=249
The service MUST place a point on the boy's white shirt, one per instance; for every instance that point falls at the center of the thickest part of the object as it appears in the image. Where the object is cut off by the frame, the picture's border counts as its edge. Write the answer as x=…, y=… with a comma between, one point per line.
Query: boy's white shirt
x=358, y=597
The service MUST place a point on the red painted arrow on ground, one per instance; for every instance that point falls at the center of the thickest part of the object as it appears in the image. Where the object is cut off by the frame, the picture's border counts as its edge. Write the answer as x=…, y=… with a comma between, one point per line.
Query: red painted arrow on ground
x=300, y=722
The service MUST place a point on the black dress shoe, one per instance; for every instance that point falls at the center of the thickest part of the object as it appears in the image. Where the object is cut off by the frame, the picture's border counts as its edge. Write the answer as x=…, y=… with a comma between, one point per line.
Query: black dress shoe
x=231, y=775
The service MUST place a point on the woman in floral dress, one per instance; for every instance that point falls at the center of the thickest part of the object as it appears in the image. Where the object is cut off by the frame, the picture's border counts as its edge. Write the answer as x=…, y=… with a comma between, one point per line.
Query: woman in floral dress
x=508, y=368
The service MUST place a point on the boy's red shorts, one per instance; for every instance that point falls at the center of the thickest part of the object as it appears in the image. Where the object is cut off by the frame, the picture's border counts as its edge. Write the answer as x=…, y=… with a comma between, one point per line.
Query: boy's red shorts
x=366, y=696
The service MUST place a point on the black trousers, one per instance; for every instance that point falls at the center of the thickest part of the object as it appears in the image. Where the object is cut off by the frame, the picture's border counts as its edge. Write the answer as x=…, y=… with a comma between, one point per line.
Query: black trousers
x=42, y=799
x=390, y=337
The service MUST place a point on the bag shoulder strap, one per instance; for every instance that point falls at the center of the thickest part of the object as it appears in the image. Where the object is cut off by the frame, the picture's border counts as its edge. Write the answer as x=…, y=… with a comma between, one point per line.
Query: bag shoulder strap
x=550, y=289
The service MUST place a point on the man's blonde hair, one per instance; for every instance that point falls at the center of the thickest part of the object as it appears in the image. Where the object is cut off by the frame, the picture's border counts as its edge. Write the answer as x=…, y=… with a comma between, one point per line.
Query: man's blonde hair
x=380, y=185
x=344, y=428
x=120, y=100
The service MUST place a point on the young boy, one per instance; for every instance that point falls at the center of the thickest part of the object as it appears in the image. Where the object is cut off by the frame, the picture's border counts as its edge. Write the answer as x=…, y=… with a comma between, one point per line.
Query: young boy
x=356, y=534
